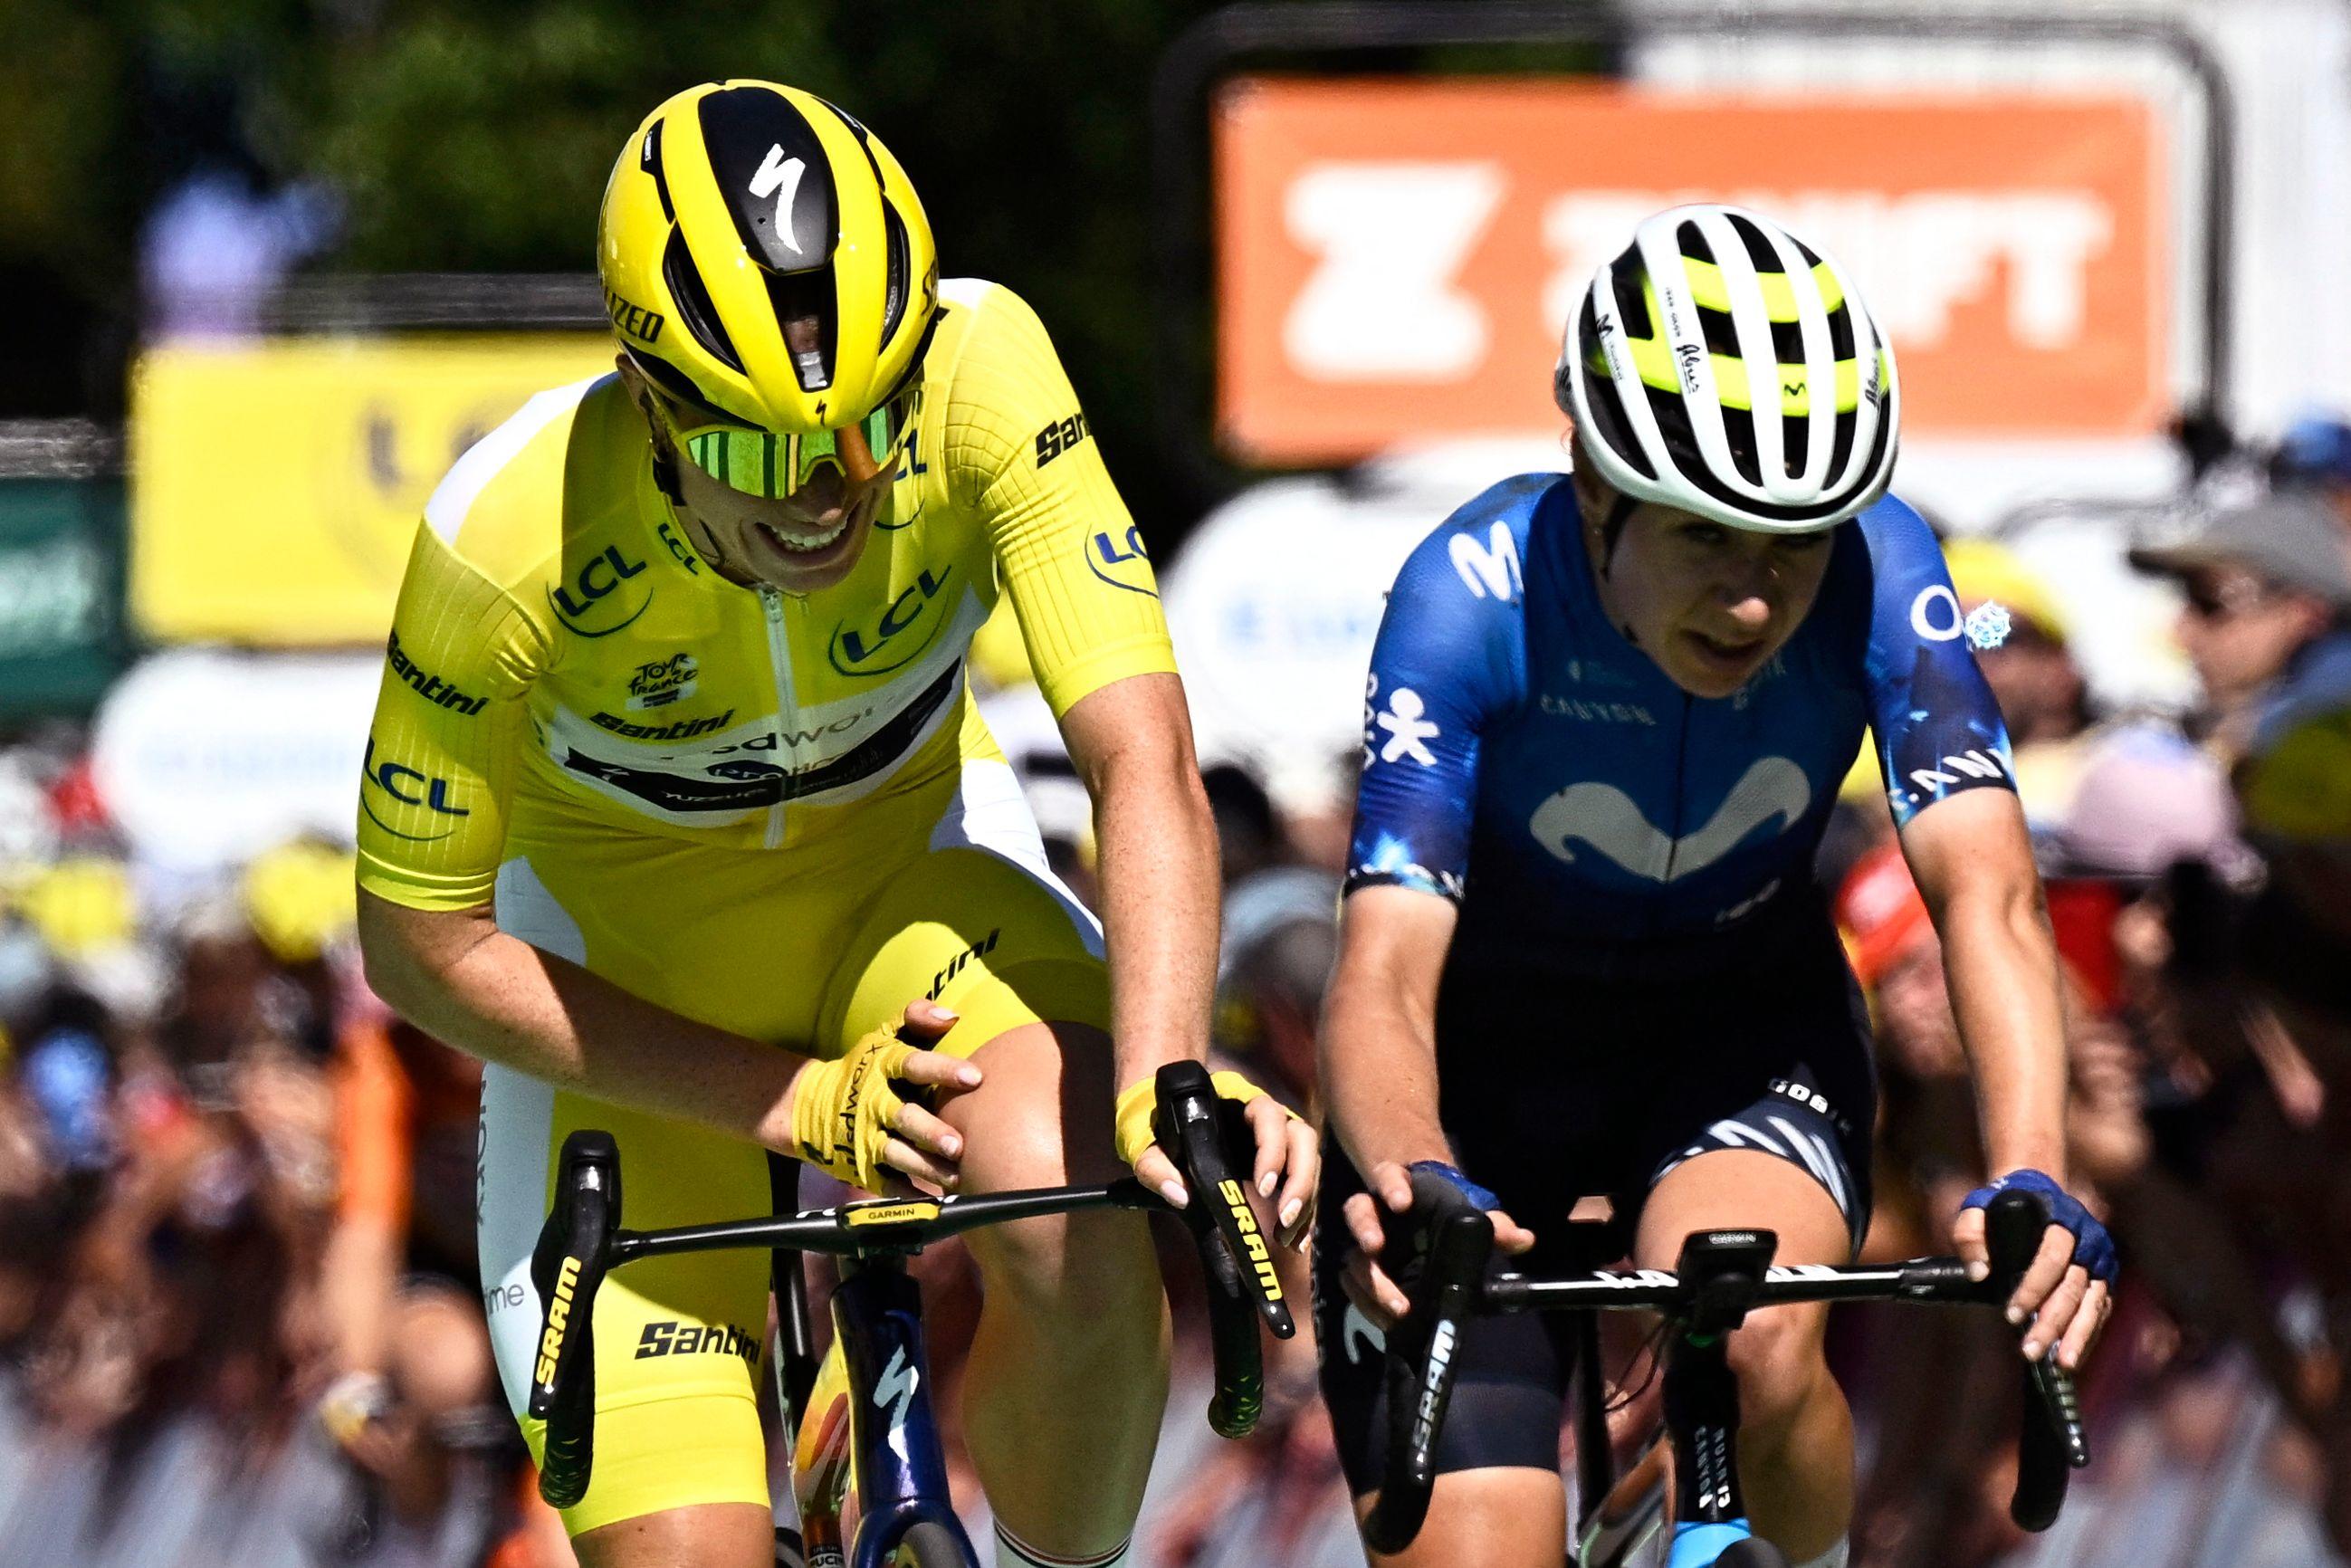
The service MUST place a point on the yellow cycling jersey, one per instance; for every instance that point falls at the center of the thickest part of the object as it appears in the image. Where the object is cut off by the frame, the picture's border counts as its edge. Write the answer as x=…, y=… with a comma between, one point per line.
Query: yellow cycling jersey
x=559, y=648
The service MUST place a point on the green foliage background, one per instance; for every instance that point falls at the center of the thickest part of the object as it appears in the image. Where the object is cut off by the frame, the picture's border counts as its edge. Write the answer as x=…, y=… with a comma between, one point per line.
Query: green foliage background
x=475, y=135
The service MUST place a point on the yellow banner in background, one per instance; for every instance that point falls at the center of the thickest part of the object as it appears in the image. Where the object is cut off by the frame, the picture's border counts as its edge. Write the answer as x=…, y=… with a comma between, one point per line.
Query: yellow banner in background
x=276, y=486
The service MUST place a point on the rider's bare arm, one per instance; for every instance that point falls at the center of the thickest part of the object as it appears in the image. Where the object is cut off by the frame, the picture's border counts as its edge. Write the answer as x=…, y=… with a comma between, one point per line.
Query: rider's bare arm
x=1378, y=1042
x=1378, y=1049
x=1973, y=865
x=1132, y=743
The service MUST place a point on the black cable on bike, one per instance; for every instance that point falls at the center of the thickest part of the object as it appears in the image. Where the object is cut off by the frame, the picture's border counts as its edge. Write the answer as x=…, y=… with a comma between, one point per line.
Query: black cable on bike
x=1652, y=1345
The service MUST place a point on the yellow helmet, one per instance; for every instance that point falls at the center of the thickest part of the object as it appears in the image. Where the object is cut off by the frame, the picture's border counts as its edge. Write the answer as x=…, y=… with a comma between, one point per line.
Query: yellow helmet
x=765, y=257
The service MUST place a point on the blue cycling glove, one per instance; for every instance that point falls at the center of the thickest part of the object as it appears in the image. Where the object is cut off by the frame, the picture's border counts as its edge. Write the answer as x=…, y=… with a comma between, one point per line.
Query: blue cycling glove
x=1452, y=1177
x=2092, y=1249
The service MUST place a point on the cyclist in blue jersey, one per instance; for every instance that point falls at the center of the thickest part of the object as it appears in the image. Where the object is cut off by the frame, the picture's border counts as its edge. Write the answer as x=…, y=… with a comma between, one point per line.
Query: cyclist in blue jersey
x=1583, y=950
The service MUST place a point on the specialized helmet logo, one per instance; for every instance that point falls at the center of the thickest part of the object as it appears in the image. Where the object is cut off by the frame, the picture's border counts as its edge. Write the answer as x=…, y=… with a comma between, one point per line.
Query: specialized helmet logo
x=780, y=177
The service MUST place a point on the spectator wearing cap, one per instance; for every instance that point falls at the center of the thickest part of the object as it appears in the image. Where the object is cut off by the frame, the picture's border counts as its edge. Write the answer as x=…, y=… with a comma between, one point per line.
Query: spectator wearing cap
x=2268, y=591
x=2315, y=455
x=2032, y=672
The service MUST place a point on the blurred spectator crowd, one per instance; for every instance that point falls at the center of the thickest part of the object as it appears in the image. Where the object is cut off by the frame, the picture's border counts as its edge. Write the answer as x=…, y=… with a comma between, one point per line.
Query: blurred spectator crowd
x=240, y=1313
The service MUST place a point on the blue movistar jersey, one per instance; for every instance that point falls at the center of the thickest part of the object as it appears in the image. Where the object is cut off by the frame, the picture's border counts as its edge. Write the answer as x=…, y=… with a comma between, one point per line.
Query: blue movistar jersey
x=1516, y=744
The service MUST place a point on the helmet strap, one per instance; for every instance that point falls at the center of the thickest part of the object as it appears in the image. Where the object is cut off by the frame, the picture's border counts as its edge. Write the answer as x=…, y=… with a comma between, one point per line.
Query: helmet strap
x=1612, y=527
x=706, y=545
x=665, y=473
x=697, y=532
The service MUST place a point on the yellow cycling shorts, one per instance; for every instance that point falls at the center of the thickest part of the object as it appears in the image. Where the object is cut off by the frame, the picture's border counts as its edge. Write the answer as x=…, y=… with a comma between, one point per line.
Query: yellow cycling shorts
x=810, y=949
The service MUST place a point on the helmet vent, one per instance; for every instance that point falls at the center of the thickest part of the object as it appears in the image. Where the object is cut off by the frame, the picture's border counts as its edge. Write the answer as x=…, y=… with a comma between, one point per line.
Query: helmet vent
x=810, y=318
x=693, y=303
x=650, y=161
x=1624, y=275
x=1759, y=247
x=893, y=298
x=678, y=384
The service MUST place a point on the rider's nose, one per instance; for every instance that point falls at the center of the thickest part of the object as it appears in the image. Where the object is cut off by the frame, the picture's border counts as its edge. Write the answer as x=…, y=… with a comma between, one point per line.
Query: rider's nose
x=1748, y=610
x=824, y=491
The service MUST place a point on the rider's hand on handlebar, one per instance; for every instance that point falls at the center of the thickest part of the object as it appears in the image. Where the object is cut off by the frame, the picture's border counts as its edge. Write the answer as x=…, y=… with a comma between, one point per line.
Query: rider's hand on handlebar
x=1366, y=1284
x=2068, y=1290
x=849, y=1119
x=1289, y=1154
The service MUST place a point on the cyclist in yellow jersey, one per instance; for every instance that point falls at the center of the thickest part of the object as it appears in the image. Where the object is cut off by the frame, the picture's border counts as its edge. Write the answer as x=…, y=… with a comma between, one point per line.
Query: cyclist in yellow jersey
x=675, y=801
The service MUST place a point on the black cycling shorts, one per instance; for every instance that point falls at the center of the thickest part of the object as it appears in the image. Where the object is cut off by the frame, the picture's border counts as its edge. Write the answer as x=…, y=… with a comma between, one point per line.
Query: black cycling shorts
x=1773, y=1054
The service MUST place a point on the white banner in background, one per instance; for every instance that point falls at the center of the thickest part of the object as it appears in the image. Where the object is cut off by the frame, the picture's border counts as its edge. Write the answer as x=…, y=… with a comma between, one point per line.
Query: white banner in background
x=1275, y=599
x=207, y=758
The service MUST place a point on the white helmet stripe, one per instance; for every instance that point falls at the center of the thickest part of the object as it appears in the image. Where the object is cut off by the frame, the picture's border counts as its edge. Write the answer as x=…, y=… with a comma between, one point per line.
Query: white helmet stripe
x=1820, y=365
x=1868, y=412
x=1631, y=395
x=1661, y=258
x=1751, y=318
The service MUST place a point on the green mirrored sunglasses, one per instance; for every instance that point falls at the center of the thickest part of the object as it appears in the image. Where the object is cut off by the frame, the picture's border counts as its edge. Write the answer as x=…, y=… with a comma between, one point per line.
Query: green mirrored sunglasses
x=761, y=463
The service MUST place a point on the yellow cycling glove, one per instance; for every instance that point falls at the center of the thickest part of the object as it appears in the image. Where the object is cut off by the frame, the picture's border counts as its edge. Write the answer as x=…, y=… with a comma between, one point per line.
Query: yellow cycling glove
x=1133, y=1116
x=843, y=1111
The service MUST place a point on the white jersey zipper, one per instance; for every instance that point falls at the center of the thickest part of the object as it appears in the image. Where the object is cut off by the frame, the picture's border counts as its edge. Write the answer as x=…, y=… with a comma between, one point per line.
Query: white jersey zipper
x=779, y=662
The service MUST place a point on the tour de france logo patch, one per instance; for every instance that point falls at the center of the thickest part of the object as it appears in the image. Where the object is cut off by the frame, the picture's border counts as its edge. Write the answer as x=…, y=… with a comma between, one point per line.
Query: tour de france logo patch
x=662, y=681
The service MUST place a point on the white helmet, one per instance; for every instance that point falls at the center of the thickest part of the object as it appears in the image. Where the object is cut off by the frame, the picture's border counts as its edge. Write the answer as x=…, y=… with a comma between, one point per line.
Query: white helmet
x=1658, y=366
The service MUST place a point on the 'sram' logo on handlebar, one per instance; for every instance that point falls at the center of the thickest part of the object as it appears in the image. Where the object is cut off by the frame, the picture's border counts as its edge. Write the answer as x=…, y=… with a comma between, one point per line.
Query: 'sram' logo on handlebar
x=1260, y=1260
x=1440, y=1357
x=559, y=1319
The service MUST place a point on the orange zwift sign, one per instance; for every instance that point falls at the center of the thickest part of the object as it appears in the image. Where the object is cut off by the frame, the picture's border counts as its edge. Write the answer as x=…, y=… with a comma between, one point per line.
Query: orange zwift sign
x=1395, y=260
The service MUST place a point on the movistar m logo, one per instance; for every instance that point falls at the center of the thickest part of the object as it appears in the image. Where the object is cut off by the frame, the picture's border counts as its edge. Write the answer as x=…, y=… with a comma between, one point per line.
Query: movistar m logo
x=858, y=650
x=599, y=578
x=1489, y=571
x=1773, y=792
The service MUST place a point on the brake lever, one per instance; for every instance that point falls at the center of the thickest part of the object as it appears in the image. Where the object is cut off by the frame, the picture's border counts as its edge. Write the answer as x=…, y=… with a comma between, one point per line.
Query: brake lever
x=2052, y=1443
x=567, y=1267
x=1450, y=1245
x=1187, y=1127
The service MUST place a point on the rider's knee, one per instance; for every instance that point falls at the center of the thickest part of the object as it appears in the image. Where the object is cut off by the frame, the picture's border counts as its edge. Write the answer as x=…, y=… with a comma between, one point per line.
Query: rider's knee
x=1082, y=1272
x=1776, y=1357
